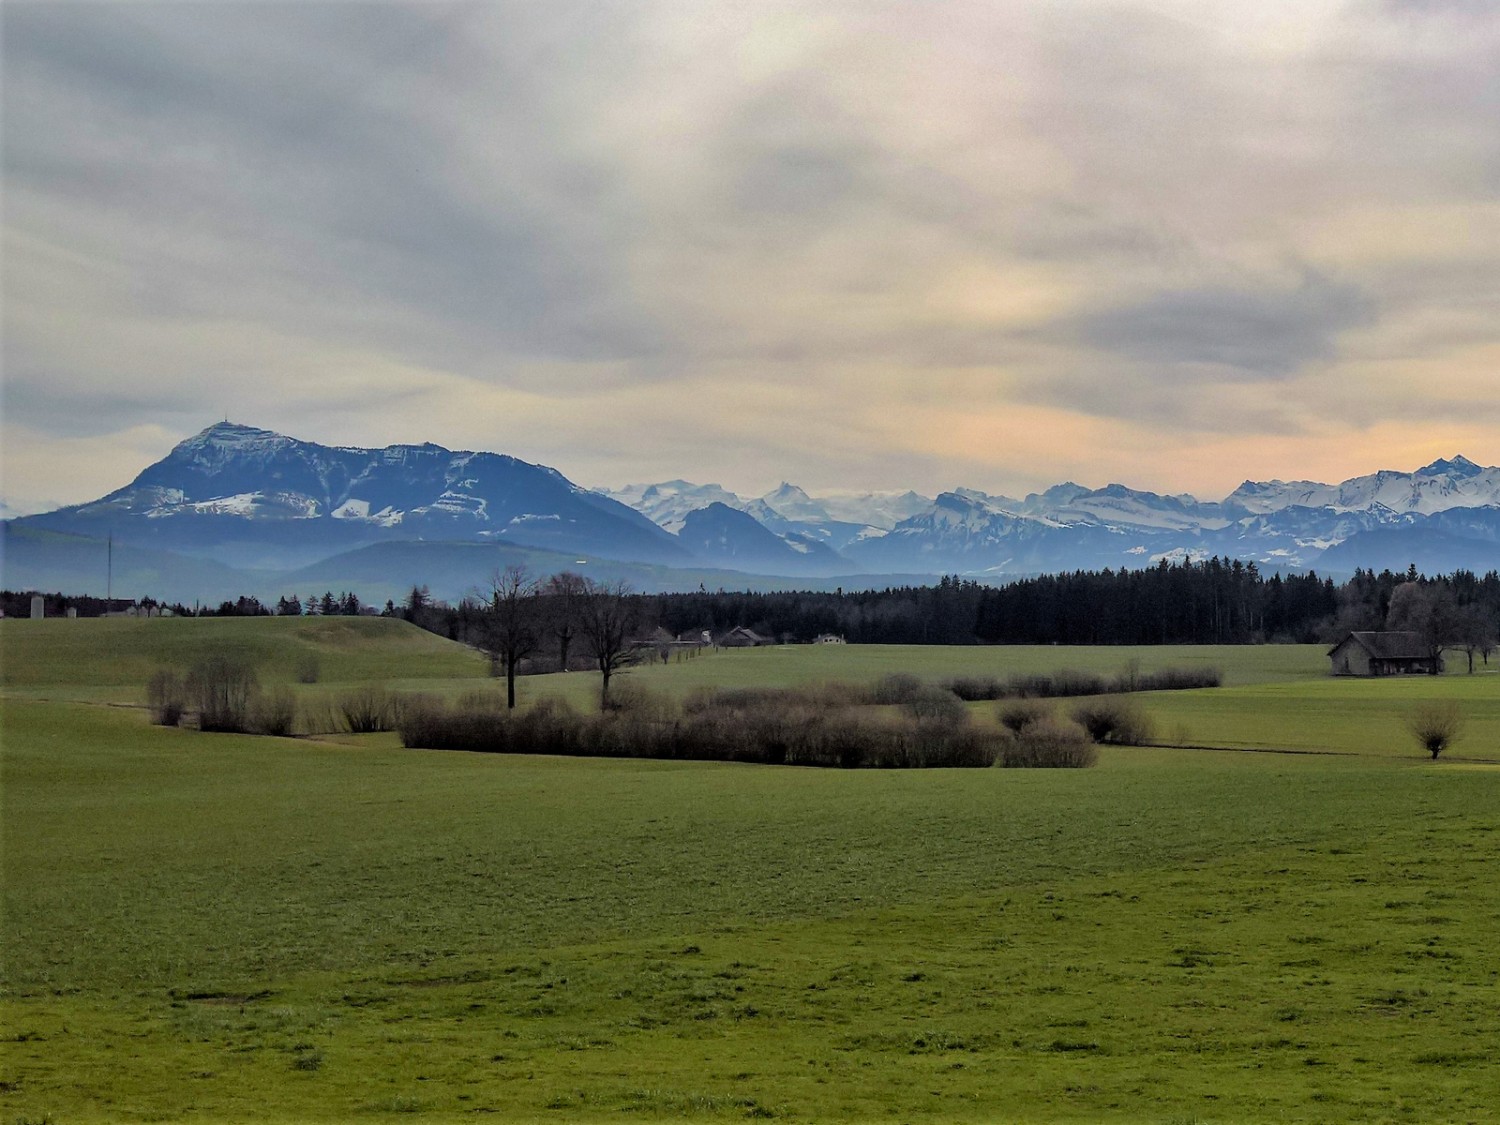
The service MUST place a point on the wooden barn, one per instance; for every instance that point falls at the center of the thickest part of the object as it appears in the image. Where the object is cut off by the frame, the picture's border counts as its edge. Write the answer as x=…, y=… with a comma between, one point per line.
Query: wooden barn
x=742, y=637
x=1384, y=654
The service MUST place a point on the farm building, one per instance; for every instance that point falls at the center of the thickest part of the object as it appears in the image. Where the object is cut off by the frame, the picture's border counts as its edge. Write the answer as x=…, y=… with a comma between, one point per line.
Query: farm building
x=740, y=637
x=828, y=639
x=1383, y=654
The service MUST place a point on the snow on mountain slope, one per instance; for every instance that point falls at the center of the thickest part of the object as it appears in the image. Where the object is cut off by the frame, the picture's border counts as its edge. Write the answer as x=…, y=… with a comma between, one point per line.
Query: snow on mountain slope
x=1438, y=487
x=251, y=497
x=668, y=503
x=883, y=510
x=235, y=489
x=791, y=503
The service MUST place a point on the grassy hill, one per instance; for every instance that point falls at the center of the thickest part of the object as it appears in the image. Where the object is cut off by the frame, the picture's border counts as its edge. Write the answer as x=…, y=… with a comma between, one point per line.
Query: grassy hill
x=112, y=658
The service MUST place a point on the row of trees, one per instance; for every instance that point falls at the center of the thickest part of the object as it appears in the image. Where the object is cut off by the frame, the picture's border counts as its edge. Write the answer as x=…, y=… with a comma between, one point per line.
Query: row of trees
x=1218, y=601
x=522, y=616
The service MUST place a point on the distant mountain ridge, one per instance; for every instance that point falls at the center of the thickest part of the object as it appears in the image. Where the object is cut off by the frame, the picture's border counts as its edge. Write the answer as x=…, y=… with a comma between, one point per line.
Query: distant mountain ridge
x=250, y=498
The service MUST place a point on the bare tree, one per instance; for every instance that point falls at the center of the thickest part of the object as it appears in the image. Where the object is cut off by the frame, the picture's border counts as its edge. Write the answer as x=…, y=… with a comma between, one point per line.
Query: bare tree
x=509, y=631
x=564, y=593
x=607, y=614
x=1427, y=609
x=1436, y=725
x=1474, y=633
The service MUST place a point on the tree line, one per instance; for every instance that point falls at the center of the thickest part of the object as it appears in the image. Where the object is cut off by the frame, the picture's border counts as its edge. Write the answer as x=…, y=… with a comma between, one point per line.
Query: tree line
x=554, y=623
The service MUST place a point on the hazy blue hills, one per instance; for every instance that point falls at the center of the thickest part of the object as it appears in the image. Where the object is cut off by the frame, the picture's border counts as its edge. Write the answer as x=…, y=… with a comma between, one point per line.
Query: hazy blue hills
x=239, y=509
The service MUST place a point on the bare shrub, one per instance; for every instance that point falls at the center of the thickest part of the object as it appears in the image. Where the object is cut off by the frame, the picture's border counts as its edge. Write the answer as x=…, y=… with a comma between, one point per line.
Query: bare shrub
x=1062, y=683
x=1120, y=721
x=975, y=689
x=1019, y=714
x=309, y=668
x=317, y=715
x=485, y=701
x=222, y=689
x=933, y=704
x=367, y=709
x=1048, y=744
x=1436, y=725
x=836, y=693
x=771, y=726
x=471, y=724
x=274, y=712
x=166, y=697
x=632, y=699
x=551, y=725
x=1176, y=679
x=737, y=699
x=1069, y=682
x=896, y=688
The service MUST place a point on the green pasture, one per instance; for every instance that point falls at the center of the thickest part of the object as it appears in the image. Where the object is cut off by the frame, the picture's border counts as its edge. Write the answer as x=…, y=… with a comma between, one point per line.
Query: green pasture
x=225, y=928
x=1344, y=715
x=110, y=659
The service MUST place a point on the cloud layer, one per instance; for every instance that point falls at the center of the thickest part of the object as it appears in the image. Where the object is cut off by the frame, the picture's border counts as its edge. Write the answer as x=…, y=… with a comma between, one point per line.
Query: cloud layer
x=853, y=245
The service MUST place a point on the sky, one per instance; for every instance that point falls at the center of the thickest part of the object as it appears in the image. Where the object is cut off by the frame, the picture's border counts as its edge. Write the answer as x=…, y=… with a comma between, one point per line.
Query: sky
x=852, y=245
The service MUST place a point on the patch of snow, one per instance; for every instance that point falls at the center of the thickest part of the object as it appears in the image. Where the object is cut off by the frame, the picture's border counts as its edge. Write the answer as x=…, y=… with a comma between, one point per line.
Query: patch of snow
x=240, y=504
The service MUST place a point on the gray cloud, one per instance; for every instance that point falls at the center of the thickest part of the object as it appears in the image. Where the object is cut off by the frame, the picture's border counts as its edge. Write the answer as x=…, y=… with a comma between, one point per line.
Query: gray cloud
x=380, y=216
x=1235, y=333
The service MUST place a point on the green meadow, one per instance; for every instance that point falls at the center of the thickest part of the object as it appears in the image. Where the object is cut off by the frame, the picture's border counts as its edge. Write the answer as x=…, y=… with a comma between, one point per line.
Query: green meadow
x=213, y=928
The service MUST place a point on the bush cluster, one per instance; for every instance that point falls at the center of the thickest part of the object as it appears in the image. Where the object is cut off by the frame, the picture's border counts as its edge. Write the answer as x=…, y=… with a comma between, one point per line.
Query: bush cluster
x=1120, y=721
x=1068, y=682
x=767, y=727
x=830, y=725
x=1047, y=743
x=367, y=709
x=224, y=690
x=226, y=695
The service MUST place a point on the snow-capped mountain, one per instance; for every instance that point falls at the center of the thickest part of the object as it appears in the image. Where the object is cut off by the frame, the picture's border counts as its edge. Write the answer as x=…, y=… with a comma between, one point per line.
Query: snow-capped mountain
x=786, y=510
x=883, y=510
x=668, y=504
x=248, y=496
x=723, y=536
x=1444, y=484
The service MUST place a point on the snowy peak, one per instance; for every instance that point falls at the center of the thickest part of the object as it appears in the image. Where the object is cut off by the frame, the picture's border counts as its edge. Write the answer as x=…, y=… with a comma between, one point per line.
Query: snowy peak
x=791, y=503
x=668, y=503
x=882, y=510
x=232, y=489
x=1438, y=487
x=1459, y=466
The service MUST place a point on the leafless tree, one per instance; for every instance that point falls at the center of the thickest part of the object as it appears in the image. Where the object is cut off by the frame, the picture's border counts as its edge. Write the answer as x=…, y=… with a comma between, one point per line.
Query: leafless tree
x=1436, y=725
x=509, y=632
x=1474, y=633
x=607, y=615
x=563, y=594
x=1428, y=610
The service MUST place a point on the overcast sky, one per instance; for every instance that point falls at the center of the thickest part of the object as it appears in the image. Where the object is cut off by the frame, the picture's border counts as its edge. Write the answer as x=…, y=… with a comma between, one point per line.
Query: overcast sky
x=850, y=245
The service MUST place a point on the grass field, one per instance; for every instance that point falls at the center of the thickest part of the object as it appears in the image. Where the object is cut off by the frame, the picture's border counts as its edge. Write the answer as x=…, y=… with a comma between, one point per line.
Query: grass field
x=223, y=928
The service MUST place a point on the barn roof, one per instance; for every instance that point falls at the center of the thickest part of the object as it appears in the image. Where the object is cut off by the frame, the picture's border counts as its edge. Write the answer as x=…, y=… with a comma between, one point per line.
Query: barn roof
x=1389, y=645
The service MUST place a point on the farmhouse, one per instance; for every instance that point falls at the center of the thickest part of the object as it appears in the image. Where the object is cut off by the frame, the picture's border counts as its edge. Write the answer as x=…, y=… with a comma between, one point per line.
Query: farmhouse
x=1383, y=654
x=828, y=639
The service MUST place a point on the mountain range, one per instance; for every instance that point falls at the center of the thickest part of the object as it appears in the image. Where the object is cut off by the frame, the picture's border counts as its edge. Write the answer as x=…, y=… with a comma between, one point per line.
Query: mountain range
x=258, y=507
